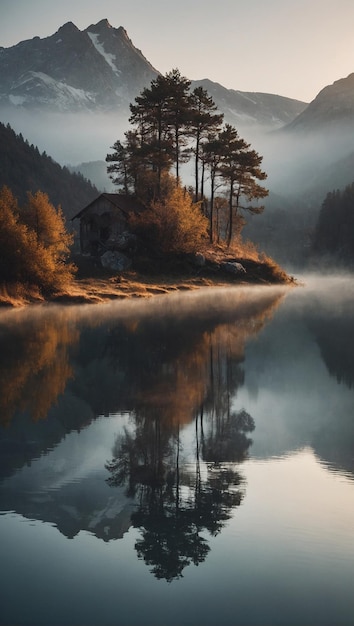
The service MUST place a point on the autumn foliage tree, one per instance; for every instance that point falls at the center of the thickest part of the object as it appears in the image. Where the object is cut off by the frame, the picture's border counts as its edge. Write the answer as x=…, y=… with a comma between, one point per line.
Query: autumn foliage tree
x=173, y=224
x=34, y=243
x=48, y=224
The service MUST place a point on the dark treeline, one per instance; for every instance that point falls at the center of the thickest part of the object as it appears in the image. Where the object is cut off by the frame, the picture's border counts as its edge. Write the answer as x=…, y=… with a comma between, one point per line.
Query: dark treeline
x=24, y=169
x=334, y=232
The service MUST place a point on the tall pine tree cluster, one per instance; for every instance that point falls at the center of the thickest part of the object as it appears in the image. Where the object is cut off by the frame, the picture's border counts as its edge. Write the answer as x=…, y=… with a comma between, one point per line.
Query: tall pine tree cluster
x=172, y=125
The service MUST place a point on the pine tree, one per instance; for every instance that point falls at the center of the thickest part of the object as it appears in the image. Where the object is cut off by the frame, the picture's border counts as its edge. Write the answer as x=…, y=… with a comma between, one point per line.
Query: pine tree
x=211, y=158
x=240, y=169
x=119, y=168
x=170, y=124
x=204, y=122
x=334, y=232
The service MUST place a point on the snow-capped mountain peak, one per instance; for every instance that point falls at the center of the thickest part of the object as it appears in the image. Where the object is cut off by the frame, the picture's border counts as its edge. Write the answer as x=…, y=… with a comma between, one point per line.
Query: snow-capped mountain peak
x=99, y=66
x=109, y=58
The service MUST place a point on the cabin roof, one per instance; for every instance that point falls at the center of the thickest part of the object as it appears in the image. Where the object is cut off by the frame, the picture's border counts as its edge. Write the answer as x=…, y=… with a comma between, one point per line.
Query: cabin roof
x=127, y=204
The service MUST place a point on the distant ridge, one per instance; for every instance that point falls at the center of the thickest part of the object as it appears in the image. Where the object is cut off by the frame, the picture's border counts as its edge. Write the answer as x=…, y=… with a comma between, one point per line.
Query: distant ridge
x=246, y=109
x=332, y=107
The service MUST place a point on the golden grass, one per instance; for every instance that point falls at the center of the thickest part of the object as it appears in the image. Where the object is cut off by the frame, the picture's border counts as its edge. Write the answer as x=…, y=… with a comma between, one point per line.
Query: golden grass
x=17, y=294
x=99, y=290
x=96, y=285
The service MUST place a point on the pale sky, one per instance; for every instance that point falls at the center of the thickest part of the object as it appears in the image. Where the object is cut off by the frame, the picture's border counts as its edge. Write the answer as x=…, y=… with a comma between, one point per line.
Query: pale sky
x=282, y=47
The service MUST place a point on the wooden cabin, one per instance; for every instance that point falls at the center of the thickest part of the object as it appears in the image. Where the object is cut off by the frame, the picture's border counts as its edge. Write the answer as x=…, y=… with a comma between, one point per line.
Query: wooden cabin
x=104, y=220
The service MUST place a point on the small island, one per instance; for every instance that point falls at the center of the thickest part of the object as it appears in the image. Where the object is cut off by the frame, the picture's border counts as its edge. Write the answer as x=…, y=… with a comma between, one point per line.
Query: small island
x=157, y=235
x=38, y=264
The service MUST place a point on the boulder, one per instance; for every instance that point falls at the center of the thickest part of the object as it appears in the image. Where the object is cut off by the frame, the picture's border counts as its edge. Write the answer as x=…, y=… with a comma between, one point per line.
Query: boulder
x=233, y=267
x=199, y=259
x=115, y=261
x=126, y=241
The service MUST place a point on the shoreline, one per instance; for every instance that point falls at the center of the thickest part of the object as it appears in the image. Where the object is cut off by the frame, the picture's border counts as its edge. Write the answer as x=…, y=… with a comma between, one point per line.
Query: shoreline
x=103, y=290
x=105, y=287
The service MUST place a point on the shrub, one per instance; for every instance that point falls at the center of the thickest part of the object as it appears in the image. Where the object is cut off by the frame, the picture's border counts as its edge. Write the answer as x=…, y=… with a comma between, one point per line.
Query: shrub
x=174, y=224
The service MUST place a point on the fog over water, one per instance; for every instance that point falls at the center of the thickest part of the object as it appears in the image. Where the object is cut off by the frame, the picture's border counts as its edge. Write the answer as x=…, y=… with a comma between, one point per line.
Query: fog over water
x=311, y=337
x=297, y=336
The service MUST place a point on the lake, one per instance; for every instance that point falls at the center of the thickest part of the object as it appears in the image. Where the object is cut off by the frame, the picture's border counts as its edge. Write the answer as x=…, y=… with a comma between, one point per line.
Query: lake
x=182, y=461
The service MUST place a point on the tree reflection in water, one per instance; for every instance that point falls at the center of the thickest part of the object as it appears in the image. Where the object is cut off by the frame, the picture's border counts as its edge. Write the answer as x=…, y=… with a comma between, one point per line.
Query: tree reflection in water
x=177, y=502
x=35, y=365
x=172, y=369
x=182, y=499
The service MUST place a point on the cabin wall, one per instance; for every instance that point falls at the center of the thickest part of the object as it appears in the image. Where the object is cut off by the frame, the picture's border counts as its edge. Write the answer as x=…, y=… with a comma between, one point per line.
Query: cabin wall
x=100, y=227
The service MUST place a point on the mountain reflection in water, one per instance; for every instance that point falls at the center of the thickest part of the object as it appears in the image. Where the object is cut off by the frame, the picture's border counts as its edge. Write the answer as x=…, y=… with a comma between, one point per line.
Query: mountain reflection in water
x=141, y=414
x=62, y=368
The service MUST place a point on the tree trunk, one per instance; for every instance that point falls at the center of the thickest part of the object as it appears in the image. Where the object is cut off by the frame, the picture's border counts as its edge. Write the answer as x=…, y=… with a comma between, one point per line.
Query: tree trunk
x=212, y=191
x=197, y=168
x=229, y=236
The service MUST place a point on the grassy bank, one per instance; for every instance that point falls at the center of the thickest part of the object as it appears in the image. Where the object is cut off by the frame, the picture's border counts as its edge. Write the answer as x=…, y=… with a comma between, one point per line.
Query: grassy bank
x=154, y=276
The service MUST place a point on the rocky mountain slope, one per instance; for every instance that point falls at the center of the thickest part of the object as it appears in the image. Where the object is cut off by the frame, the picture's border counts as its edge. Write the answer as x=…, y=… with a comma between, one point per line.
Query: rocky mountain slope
x=245, y=109
x=94, y=69
x=332, y=107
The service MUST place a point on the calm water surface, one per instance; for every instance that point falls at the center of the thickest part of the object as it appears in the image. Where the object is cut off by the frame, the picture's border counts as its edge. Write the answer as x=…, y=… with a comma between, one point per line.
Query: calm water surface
x=188, y=460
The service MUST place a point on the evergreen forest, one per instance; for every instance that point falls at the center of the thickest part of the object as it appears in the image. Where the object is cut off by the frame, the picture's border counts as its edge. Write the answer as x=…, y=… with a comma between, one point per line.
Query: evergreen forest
x=334, y=233
x=24, y=169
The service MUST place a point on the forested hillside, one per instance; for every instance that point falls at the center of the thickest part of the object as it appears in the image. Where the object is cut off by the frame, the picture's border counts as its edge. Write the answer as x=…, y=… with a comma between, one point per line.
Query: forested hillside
x=23, y=168
x=334, y=234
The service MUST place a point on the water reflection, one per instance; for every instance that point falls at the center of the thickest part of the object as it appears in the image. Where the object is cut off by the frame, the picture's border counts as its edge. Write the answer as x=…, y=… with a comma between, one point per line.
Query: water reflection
x=167, y=373
x=141, y=431
x=179, y=501
x=334, y=333
x=34, y=365
x=187, y=402
x=122, y=355
x=298, y=375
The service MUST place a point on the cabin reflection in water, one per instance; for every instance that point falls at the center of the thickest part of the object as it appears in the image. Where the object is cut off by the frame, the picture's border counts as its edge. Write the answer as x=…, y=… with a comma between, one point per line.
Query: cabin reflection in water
x=175, y=462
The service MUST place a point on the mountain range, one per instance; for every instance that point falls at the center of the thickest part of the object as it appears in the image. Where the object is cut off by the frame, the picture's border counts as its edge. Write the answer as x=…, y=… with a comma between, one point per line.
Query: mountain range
x=99, y=69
